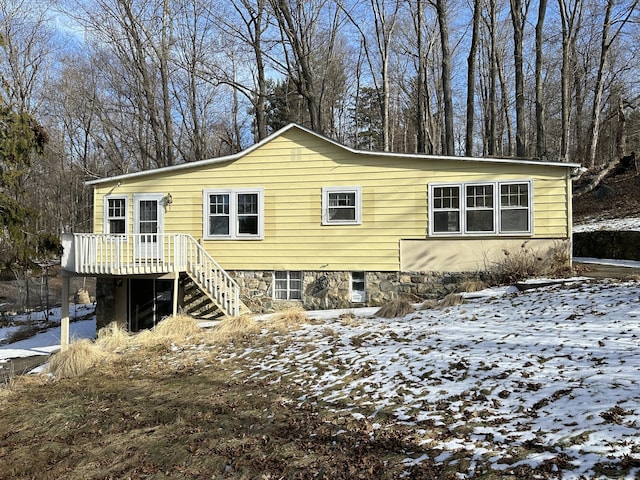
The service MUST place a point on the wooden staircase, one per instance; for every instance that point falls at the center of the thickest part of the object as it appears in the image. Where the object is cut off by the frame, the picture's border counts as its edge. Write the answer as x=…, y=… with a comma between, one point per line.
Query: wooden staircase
x=197, y=303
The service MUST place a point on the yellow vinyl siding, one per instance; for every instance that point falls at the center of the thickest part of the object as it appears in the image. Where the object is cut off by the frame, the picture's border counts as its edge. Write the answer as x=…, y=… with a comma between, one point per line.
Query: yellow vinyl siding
x=293, y=168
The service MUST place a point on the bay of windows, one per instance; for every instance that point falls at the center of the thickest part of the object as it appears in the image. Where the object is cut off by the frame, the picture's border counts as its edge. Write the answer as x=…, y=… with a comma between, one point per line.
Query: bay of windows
x=480, y=208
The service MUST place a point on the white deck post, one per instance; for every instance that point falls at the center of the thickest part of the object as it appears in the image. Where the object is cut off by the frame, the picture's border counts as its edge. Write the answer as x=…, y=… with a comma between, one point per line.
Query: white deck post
x=64, y=321
x=176, y=282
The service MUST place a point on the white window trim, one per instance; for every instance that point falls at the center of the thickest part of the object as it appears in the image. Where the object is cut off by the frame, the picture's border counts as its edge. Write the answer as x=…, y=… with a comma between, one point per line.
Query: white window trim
x=289, y=289
x=497, y=208
x=233, y=213
x=325, y=205
x=106, y=217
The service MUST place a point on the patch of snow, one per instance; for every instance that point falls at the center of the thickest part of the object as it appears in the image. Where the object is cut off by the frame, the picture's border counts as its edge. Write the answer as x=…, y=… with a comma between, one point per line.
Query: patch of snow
x=557, y=368
x=595, y=224
x=48, y=341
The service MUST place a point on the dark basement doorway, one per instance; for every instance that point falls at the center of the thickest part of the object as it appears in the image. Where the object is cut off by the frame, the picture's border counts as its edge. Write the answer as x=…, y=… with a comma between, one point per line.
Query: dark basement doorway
x=150, y=300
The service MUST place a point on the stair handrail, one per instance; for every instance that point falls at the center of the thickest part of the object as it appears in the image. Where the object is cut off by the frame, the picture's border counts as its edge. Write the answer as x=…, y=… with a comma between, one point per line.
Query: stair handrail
x=210, y=276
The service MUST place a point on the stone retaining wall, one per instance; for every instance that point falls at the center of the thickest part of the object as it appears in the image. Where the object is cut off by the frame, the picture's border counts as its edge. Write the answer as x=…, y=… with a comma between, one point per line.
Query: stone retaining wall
x=381, y=287
x=618, y=245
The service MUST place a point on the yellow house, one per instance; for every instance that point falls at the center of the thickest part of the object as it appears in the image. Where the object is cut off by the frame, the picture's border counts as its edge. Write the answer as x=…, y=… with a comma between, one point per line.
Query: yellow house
x=301, y=218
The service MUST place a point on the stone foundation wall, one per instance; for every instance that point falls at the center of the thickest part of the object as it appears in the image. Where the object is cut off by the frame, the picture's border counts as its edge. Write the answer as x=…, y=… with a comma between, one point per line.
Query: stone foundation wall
x=105, y=302
x=329, y=290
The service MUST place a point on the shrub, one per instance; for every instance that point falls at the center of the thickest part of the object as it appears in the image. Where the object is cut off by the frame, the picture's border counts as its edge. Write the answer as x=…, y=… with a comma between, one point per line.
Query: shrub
x=526, y=263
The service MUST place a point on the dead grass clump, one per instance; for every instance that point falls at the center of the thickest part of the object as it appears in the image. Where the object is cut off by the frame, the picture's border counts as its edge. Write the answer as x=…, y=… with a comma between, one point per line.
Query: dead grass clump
x=451, y=300
x=230, y=328
x=429, y=304
x=178, y=327
x=395, y=308
x=113, y=337
x=76, y=360
x=472, y=286
x=288, y=319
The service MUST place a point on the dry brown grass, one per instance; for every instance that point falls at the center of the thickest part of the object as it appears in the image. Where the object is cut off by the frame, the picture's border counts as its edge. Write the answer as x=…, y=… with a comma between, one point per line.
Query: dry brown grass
x=288, y=319
x=231, y=328
x=450, y=300
x=472, y=286
x=77, y=359
x=113, y=337
x=175, y=329
x=395, y=309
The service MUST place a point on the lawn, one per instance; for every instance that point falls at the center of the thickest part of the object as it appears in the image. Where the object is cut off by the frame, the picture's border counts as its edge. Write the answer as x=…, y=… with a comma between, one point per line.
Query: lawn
x=537, y=384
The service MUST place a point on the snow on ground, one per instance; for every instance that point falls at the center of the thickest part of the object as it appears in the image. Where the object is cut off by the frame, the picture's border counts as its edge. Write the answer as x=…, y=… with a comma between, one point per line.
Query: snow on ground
x=509, y=378
x=520, y=378
x=47, y=341
x=591, y=225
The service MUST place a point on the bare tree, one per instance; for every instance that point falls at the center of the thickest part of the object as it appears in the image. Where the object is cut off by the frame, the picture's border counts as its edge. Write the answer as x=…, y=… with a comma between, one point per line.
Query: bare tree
x=247, y=23
x=519, y=12
x=447, y=95
x=471, y=77
x=570, y=16
x=608, y=37
x=296, y=28
x=541, y=149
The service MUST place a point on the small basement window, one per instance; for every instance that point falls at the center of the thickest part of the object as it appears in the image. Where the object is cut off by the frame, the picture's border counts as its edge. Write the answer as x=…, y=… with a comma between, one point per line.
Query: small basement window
x=358, y=287
x=287, y=285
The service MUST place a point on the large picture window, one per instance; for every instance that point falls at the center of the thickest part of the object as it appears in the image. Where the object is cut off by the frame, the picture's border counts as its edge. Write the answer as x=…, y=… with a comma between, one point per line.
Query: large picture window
x=233, y=214
x=482, y=208
x=341, y=206
x=115, y=215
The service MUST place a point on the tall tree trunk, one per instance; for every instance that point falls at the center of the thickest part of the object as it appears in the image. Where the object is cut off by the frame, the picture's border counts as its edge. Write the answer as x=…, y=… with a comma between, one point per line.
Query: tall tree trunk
x=492, y=148
x=420, y=85
x=594, y=126
x=540, y=120
x=448, y=146
x=471, y=78
x=570, y=25
x=518, y=18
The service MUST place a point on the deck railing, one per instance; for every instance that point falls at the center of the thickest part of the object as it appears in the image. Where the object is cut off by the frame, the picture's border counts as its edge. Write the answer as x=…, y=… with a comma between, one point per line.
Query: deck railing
x=136, y=254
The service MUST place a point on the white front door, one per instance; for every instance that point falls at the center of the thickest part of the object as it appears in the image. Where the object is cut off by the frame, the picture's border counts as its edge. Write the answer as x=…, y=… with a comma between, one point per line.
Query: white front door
x=147, y=212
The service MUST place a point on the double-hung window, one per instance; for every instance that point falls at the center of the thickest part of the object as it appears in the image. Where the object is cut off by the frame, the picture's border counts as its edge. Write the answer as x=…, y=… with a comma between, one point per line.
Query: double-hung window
x=341, y=206
x=481, y=208
x=287, y=285
x=515, y=207
x=445, y=208
x=233, y=214
x=115, y=215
